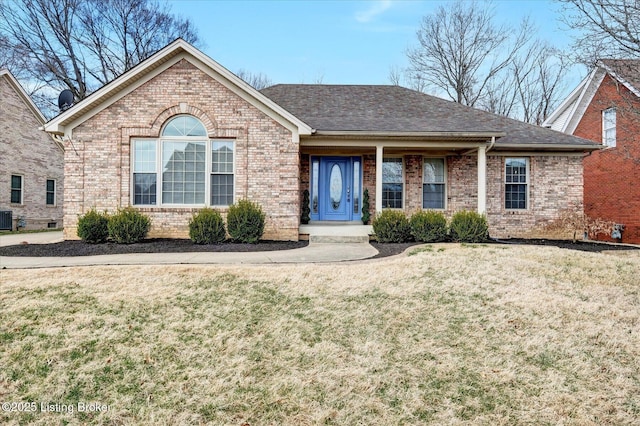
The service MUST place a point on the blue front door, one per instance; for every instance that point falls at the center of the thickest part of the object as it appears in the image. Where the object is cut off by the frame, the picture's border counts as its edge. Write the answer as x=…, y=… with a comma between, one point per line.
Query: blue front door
x=338, y=188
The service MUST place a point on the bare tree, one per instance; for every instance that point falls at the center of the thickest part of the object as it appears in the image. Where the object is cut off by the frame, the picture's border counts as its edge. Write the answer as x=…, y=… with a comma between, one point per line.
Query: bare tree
x=81, y=45
x=258, y=81
x=607, y=28
x=461, y=50
x=539, y=80
x=501, y=96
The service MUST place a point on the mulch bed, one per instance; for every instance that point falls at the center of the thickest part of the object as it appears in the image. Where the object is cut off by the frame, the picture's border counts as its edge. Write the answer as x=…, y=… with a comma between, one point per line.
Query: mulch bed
x=589, y=246
x=153, y=245
x=166, y=245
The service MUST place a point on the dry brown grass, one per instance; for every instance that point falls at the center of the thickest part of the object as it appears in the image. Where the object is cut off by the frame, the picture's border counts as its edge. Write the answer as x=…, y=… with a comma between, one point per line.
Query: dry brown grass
x=454, y=334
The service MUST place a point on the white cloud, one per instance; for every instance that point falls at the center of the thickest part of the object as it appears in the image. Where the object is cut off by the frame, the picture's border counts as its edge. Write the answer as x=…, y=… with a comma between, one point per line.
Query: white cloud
x=376, y=8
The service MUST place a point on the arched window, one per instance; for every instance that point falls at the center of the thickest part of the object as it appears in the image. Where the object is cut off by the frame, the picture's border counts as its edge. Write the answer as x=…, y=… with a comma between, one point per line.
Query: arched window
x=184, y=125
x=184, y=166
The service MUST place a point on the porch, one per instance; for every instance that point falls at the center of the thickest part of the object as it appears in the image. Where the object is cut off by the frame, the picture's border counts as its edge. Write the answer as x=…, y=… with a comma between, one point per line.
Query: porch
x=408, y=175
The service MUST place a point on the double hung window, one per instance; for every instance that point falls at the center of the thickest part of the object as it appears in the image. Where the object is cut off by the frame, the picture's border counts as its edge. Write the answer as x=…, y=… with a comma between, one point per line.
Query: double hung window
x=516, y=183
x=16, y=189
x=392, y=183
x=433, y=183
x=51, y=192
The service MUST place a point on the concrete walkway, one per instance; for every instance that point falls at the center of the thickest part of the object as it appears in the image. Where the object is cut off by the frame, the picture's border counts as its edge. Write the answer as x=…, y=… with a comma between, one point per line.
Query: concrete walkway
x=313, y=253
x=31, y=238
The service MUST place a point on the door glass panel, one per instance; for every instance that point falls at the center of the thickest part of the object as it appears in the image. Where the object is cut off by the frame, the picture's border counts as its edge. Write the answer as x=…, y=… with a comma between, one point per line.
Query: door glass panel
x=335, y=187
x=356, y=187
x=314, y=186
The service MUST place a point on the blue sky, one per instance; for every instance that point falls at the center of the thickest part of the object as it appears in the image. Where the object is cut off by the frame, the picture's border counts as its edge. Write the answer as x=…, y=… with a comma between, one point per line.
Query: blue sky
x=331, y=41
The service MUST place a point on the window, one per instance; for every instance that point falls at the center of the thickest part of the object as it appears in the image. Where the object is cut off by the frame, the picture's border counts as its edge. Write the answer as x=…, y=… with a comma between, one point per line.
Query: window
x=51, y=192
x=183, y=172
x=16, y=189
x=221, y=173
x=144, y=172
x=392, y=184
x=609, y=127
x=176, y=167
x=433, y=183
x=516, y=183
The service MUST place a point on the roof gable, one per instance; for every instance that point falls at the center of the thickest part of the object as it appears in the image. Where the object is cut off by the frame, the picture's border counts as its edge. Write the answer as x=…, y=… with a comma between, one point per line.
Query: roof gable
x=568, y=115
x=4, y=73
x=153, y=66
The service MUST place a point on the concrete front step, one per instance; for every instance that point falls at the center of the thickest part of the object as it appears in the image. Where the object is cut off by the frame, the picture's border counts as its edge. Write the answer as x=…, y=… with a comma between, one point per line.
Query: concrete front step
x=347, y=239
x=336, y=232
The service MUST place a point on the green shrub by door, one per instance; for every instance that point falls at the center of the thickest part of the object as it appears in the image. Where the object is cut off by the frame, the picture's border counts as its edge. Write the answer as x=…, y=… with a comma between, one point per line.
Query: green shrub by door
x=392, y=226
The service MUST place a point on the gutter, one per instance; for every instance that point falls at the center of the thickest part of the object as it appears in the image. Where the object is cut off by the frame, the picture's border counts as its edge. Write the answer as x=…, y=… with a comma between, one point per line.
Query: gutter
x=550, y=147
x=397, y=134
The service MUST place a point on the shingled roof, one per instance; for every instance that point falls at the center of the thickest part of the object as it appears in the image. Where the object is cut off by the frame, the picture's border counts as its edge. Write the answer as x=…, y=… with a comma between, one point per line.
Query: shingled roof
x=395, y=109
x=627, y=70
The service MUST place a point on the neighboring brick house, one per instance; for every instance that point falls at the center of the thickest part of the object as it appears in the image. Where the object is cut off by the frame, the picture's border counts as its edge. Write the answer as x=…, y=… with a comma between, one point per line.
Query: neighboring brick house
x=179, y=132
x=605, y=108
x=31, y=163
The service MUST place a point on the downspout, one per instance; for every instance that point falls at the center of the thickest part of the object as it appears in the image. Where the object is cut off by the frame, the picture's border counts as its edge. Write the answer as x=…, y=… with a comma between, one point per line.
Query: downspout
x=493, y=142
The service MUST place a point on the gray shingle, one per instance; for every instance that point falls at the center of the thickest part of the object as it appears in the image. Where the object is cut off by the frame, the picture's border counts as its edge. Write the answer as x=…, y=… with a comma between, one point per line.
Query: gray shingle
x=373, y=108
x=627, y=69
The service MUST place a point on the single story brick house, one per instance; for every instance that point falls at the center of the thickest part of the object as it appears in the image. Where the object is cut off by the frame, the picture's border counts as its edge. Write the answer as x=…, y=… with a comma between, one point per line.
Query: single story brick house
x=31, y=163
x=180, y=132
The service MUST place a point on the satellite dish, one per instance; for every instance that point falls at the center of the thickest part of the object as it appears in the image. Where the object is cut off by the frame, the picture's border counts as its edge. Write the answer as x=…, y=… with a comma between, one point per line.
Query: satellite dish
x=65, y=100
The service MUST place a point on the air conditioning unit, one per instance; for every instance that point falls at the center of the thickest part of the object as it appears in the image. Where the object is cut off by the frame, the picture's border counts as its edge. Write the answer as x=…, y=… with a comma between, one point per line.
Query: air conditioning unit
x=6, y=220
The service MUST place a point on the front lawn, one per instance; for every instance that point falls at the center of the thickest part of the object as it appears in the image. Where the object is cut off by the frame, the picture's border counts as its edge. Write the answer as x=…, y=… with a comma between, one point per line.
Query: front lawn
x=453, y=334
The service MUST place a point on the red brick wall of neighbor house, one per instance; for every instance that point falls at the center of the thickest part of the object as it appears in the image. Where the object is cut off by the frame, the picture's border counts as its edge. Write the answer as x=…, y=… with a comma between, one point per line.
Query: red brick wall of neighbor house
x=612, y=176
x=98, y=165
x=32, y=154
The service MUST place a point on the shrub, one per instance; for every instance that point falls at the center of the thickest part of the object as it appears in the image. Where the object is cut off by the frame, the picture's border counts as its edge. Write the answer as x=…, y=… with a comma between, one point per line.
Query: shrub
x=207, y=227
x=128, y=226
x=93, y=227
x=428, y=226
x=245, y=222
x=469, y=227
x=366, y=215
x=304, y=217
x=392, y=226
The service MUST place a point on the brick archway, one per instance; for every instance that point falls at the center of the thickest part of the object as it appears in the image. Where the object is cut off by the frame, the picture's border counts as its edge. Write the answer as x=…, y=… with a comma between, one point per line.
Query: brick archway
x=184, y=108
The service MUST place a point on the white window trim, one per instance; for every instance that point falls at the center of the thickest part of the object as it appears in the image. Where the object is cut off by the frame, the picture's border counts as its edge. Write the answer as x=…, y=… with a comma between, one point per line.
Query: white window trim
x=404, y=189
x=445, y=177
x=605, y=141
x=209, y=168
x=527, y=183
x=55, y=193
x=21, y=203
x=159, y=165
x=159, y=182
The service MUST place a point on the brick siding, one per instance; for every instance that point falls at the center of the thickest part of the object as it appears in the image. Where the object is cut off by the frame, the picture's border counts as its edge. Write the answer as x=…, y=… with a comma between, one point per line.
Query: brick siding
x=98, y=160
x=32, y=154
x=555, y=185
x=612, y=176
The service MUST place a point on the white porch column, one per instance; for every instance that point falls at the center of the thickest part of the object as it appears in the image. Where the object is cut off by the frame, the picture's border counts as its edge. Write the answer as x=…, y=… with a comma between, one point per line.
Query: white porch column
x=482, y=179
x=379, y=159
